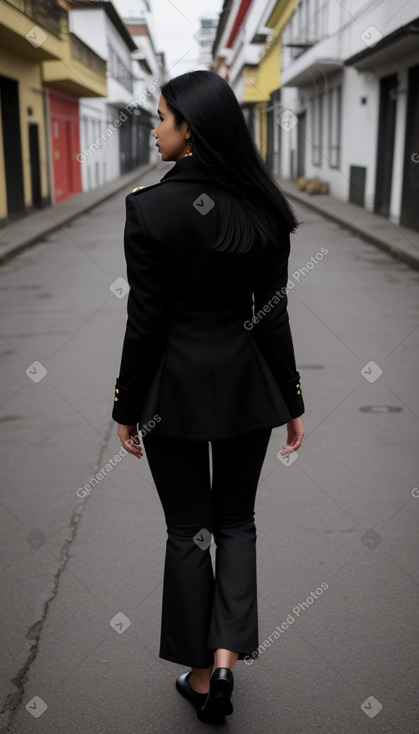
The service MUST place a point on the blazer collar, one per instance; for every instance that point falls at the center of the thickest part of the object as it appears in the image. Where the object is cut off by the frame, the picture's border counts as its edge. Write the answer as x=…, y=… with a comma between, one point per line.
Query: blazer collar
x=187, y=168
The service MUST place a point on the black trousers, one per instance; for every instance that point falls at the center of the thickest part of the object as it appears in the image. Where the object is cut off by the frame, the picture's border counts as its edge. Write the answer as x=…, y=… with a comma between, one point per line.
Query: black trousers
x=200, y=612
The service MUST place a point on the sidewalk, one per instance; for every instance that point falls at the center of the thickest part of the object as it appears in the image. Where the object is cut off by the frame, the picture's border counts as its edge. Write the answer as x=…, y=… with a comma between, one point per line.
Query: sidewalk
x=20, y=234
x=400, y=242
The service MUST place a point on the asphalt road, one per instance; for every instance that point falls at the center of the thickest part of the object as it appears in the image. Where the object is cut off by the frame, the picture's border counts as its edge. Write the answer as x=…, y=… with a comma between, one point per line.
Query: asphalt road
x=81, y=570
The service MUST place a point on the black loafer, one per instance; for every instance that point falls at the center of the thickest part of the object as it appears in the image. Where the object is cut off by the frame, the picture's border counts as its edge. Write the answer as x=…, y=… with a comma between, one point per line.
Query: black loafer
x=218, y=702
x=182, y=685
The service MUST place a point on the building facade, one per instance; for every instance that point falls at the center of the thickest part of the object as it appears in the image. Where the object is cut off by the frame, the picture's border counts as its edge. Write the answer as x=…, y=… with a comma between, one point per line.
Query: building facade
x=330, y=90
x=349, y=108
x=78, y=98
x=46, y=69
x=115, y=129
x=205, y=37
x=237, y=53
x=149, y=69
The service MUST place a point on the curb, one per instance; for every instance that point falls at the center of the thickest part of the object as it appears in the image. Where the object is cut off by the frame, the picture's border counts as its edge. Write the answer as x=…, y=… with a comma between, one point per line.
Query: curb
x=31, y=241
x=393, y=250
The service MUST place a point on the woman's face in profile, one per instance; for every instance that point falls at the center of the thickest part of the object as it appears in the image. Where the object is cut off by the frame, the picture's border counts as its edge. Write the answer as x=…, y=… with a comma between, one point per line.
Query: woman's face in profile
x=172, y=142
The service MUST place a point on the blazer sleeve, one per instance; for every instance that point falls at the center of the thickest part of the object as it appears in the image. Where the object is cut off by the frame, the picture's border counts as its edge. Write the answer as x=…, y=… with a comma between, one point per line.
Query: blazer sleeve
x=271, y=325
x=145, y=335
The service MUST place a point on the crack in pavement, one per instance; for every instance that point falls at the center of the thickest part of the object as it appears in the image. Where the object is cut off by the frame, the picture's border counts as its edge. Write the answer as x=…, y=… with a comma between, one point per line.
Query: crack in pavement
x=44, y=599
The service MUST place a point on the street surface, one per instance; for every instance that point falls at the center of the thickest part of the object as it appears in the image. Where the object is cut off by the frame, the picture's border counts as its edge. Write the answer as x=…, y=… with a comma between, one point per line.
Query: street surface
x=81, y=569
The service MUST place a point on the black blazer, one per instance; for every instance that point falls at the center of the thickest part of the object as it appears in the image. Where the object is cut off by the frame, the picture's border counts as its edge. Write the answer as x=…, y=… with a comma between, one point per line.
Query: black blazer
x=194, y=364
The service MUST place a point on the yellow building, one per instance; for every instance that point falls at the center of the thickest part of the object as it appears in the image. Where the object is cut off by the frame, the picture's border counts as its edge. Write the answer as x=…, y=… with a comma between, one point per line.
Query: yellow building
x=248, y=56
x=43, y=66
x=261, y=83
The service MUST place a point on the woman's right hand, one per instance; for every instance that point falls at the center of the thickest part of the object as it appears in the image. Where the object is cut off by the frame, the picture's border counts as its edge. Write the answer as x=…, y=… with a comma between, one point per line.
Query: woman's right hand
x=295, y=435
x=130, y=440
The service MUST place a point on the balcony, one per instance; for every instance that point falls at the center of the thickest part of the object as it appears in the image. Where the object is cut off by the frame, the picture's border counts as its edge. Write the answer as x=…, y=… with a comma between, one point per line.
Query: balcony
x=317, y=63
x=46, y=13
x=80, y=72
x=17, y=21
x=37, y=30
x=86, y=56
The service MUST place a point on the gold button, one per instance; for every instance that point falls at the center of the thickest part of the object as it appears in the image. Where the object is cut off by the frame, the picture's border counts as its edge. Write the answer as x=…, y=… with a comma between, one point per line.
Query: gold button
x=298, y=392
x=298, y=384
x=116, y=390
x=115, y=399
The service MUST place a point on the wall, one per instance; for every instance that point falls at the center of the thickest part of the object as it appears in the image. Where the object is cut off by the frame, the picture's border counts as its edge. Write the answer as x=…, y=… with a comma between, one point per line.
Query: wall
x=28, y=75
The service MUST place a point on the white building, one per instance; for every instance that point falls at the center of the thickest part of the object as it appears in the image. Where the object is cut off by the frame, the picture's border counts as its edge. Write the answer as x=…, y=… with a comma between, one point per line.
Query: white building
x=149, y=69
x=350, y=102
x=205, y=37
x=115, y=130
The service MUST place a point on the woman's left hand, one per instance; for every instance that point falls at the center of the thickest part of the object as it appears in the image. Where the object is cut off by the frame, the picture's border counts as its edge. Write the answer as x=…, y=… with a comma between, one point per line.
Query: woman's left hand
x=130, y=440
x=295, y=434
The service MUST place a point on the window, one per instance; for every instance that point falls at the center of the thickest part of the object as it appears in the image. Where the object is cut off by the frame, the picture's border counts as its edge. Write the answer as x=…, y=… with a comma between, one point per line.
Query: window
x=324, y=18
x=316, y=20
x=118, y=70
x=335, y=107
x=305, y=22
x=317, y=129
x=300, y=27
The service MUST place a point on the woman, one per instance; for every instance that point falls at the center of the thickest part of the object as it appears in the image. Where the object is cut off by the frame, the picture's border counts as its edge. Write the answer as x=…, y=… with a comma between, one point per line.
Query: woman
x=208, y=369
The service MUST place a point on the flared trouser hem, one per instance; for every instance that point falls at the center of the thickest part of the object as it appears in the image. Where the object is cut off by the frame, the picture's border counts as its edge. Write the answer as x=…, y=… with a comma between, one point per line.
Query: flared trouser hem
x=202, y=612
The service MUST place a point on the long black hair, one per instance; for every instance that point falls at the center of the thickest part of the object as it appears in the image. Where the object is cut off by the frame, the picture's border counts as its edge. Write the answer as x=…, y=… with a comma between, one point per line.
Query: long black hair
x=221, y=141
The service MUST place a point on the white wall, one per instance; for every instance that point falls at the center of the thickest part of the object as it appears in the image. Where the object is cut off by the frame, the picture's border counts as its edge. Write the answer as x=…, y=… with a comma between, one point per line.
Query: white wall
x=90, y=26
x=343, y=29
x=100, y=161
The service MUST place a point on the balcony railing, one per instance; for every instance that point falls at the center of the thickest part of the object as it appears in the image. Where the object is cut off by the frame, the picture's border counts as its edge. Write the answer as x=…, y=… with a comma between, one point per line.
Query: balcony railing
x=86, y=55
x=47, y=13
